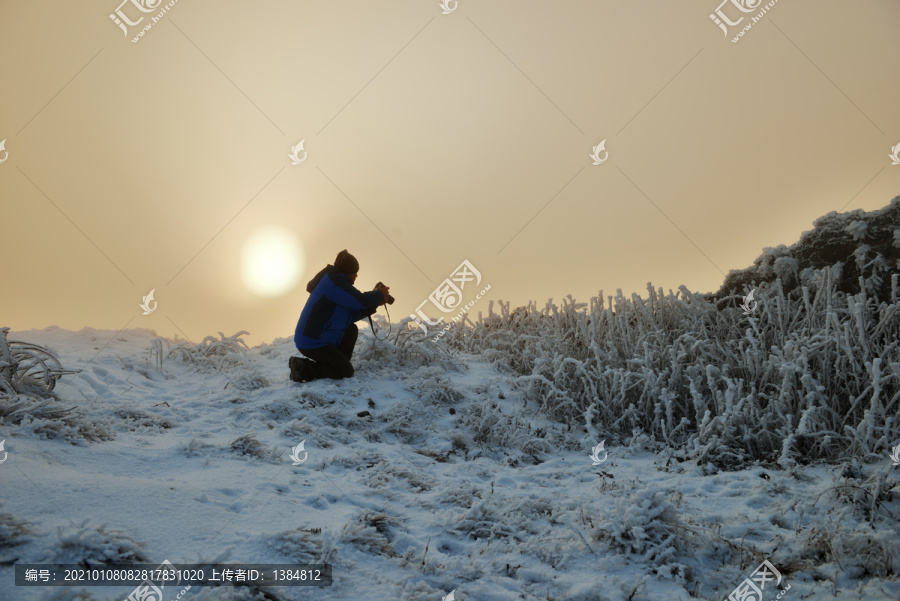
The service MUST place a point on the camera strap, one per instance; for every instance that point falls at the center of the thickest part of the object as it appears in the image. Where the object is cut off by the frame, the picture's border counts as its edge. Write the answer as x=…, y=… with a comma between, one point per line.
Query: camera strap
x=375, y=331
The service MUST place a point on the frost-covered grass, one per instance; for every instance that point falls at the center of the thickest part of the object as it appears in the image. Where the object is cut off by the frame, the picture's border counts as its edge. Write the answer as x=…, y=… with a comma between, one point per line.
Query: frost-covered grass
x=91, y=545
x=405, y=344
x=209, y=353
x=27, y=368
x=47, y=418
x=13, y=531
x=811, y=374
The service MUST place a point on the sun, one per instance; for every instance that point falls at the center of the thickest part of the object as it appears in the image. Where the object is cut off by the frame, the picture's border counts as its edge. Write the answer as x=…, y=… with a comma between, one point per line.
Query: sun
x=272, y=261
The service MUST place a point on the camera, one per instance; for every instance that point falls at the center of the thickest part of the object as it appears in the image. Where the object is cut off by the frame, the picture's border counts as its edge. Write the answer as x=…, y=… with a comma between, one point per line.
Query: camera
x=390, y=299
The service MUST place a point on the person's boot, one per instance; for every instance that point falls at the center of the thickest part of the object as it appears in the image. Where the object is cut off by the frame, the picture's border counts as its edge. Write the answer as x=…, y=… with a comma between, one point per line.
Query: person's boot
x=295, y=364
x=306, y=370
x=300, y=369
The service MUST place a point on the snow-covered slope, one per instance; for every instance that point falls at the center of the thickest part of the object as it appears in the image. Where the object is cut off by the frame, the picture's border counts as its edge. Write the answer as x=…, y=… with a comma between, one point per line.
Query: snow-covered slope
x=421, y=479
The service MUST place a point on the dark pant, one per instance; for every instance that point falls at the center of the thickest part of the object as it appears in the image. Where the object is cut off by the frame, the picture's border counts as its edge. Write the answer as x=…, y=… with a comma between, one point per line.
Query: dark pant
x=333, y=361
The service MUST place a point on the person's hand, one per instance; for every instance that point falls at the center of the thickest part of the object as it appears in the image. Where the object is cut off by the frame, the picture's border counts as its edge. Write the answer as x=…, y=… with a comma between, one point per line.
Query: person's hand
x=384, y=291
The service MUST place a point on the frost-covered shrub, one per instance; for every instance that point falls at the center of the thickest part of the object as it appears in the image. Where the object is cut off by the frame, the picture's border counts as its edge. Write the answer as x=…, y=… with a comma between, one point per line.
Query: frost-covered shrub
x=97, y=545
x=460, y=497
x=857, y=229
x=436, y=389
x=787, y=269
x=305, y=545
x=859, y=553
x=41, y=418
x=248, y=446
x=27, y=368
x=297, y=428
x=197, y=448
x=137, y=419
x=723, y=454
x=402, y=344
x=407, y=423
x=556, y=551
x=869, y=496
x=221, y=354
x=413, y=589
x=309, y=398
x=279, y=410
x=485, y=519
x=646, y=524
x=371, y=532
x=491, y=427
x=249, y=378
x=13, y=531
x=387, y=476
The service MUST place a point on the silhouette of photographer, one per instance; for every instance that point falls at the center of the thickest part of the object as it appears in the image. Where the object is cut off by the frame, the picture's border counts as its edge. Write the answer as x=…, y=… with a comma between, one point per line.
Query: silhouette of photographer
x=326, y=333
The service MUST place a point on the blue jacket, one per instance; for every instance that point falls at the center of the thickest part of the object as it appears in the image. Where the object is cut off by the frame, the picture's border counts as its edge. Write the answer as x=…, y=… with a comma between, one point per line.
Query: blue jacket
x=332, y=306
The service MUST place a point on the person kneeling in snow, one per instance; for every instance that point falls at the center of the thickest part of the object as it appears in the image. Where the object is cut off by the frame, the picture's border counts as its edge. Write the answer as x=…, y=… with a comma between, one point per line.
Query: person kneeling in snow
x=325, y=332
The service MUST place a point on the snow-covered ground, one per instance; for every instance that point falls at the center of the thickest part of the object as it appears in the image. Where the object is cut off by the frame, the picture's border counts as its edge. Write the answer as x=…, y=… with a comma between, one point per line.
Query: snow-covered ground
x=420, y=480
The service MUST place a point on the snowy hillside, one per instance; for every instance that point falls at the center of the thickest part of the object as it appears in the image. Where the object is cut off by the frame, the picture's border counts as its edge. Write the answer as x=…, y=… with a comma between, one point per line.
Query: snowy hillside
x=435, y=470
x=857, y=244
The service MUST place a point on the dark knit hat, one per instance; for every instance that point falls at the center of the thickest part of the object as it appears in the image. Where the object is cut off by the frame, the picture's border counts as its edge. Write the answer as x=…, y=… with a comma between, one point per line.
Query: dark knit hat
x=346, y=263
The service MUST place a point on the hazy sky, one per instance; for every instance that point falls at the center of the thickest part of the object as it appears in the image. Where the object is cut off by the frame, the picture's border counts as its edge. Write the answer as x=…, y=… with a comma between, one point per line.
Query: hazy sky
x=428, y=139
